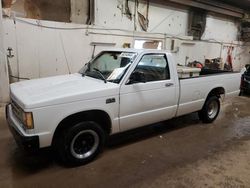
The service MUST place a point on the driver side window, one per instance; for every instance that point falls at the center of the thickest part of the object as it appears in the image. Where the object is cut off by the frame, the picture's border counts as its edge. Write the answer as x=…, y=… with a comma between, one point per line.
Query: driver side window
x=154, y=67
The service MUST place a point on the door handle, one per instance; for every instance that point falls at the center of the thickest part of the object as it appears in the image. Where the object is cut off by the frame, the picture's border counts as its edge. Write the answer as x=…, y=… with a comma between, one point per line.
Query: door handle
x=169, y=84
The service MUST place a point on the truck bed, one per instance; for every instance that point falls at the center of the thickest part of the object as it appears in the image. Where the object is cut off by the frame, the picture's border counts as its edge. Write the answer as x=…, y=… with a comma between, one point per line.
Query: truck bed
x=211, y=72
x=194, y=91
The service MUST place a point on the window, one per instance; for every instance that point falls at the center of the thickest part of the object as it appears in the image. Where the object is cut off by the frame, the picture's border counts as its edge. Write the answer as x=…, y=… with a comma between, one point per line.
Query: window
x=148, y=44
x=197, y=23
x=154, y=67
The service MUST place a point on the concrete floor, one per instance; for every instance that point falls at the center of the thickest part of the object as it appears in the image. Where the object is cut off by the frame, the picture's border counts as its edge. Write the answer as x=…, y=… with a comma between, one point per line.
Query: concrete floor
x=178, y=153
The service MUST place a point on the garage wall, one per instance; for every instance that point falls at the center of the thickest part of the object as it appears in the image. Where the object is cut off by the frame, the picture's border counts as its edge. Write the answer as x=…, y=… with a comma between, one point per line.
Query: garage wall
x=4, y=81
x=39, y=51
x=46, y=50
x=162, y=18
x=219, y=29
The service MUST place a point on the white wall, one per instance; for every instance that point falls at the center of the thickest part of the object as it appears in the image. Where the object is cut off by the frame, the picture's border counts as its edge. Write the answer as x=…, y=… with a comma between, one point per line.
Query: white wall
x=162, y=18
x=219, y=29
x=79, y=11
x=40, y=52
x=4, y=81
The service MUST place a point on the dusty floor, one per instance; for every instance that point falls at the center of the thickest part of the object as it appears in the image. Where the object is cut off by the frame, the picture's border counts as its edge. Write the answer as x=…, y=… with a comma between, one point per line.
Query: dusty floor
x=178, y=153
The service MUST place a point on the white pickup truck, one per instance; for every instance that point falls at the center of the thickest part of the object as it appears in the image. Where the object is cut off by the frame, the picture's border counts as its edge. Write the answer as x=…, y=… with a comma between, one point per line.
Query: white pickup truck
x=116, y=91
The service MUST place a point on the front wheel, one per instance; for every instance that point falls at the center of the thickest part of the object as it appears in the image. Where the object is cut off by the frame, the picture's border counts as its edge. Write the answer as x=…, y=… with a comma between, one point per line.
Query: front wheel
x=210, y=110
x=80, y=143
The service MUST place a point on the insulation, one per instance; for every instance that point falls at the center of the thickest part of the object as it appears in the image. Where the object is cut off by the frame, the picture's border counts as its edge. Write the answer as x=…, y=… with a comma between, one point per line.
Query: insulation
x=6, y=5
x=53, y=10
x=32, y=10
x=142, y=10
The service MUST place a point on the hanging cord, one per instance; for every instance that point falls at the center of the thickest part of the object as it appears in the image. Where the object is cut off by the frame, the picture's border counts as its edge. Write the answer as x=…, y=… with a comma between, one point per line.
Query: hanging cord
x=10, y=72
x=19, y=78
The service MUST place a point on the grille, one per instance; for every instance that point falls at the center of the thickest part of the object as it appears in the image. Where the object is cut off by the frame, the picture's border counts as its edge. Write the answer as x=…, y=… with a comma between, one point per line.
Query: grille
x=16, y=110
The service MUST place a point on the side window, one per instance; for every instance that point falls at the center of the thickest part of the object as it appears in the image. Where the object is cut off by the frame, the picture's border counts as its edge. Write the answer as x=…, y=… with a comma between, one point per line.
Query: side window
x=154, y=67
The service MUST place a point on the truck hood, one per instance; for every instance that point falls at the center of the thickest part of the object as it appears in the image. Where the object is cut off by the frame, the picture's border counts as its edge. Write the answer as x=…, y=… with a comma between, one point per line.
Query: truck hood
x=60, y=89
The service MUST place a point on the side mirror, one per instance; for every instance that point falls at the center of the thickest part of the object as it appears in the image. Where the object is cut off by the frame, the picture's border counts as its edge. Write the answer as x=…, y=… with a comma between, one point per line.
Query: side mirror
x=137, y=77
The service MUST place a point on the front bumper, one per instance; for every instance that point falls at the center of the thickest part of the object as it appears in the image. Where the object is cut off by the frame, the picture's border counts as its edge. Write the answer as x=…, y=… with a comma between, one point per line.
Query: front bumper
x=26, y=142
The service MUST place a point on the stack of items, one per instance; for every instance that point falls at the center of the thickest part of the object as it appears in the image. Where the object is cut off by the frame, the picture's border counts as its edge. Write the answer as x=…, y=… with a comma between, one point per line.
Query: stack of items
x=214, y=64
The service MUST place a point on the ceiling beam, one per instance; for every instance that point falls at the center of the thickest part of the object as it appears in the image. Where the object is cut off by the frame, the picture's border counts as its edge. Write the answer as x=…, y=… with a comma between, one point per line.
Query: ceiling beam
x=221, y=5
x=212, y=6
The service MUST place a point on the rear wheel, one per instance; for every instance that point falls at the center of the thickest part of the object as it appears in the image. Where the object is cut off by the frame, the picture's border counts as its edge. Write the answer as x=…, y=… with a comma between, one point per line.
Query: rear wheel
x=210, y=110
x=80, y=143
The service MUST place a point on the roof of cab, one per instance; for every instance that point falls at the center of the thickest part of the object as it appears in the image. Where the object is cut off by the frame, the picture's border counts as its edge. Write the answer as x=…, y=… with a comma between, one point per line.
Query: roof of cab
x=136, y=50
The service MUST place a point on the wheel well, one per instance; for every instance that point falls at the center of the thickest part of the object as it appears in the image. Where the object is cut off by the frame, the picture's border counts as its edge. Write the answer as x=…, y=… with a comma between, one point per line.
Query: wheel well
x=98, y=116
x=216, y=92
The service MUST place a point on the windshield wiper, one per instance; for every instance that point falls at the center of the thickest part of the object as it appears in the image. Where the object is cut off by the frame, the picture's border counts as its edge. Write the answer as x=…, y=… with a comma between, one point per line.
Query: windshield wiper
x=84, y=72
x=100, y=73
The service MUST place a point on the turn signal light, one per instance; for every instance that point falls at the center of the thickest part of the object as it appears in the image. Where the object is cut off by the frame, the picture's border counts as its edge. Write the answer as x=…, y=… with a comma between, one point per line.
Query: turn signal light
x=28, y=120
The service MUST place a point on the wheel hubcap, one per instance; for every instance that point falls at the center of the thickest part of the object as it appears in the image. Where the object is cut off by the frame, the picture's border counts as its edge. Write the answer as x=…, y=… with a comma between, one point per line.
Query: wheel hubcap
x=84, y=144
x=213, y=108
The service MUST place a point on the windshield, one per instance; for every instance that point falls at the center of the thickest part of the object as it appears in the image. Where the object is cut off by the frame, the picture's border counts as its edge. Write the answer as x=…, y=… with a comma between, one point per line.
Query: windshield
x=109, y=66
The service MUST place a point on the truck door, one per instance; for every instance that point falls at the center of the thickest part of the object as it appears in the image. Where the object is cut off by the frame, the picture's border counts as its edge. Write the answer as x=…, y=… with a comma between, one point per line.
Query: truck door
x=149, y=94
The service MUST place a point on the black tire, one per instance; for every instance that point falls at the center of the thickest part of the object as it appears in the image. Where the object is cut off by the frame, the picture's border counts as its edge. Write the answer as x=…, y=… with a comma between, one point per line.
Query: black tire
x=210, y=110
x=80, y=144
x=242, y=92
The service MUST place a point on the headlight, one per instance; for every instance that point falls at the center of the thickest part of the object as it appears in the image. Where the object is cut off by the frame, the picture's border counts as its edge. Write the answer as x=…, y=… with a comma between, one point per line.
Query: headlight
x=25, y=117
x=28, y=120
